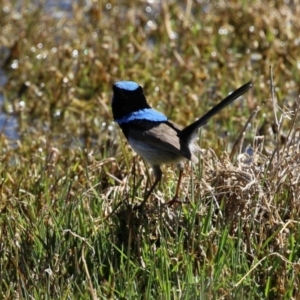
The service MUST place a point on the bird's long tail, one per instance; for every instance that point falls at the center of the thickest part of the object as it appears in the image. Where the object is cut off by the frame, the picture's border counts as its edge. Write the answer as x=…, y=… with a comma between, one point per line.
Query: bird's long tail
x=190, y=130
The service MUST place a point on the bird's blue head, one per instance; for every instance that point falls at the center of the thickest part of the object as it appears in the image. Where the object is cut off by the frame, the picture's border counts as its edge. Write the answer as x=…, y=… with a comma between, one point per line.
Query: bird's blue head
x=128, y=97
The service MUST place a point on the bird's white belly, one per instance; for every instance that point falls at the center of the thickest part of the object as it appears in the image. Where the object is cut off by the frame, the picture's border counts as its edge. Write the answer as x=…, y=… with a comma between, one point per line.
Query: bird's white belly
x=154, y=155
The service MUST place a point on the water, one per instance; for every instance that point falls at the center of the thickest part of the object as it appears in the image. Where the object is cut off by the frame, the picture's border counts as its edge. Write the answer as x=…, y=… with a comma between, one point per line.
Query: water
x=9, y=125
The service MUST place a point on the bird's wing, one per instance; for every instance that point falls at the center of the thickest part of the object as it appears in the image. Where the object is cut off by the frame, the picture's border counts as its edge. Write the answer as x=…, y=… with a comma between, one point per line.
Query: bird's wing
x=161, y=135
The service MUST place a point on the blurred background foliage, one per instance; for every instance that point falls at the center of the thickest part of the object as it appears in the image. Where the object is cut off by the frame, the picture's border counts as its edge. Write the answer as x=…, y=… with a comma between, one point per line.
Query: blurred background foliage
x=64, y=164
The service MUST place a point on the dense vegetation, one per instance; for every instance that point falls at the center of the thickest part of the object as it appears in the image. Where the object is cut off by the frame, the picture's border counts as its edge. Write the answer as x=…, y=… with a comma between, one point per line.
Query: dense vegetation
x=69, y=181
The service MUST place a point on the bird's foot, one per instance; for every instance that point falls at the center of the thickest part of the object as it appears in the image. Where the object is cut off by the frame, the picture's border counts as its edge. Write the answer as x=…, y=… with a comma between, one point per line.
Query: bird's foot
x=176, y=199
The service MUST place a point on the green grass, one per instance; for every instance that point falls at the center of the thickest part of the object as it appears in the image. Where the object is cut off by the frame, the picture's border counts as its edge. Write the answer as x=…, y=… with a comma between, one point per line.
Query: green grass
x=69, y=184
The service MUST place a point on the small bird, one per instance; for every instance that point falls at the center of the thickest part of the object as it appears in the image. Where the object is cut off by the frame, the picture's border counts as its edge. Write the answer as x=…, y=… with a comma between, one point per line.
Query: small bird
x=153, y=136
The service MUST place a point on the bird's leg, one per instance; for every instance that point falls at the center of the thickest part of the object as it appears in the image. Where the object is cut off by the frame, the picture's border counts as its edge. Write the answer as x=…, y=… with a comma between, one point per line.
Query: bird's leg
x=178, y=184
x=180, y=166
x=147, y=195
x=158, y=174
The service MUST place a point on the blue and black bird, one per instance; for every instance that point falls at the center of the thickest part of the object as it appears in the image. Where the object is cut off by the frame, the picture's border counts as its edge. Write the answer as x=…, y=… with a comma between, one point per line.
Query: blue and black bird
x=153, y=136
